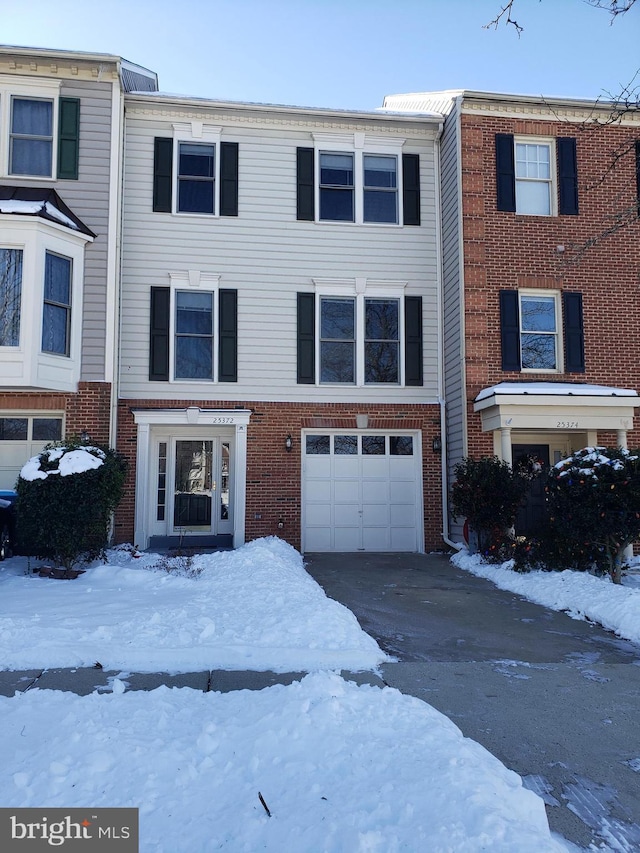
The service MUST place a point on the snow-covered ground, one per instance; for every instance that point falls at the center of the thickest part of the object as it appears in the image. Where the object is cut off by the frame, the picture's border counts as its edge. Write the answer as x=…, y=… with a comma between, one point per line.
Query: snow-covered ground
x=583, y=596
x=342, y=768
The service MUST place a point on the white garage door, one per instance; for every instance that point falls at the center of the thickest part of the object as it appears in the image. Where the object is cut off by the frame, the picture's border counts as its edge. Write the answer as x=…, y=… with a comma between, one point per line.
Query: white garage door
x=361, y=492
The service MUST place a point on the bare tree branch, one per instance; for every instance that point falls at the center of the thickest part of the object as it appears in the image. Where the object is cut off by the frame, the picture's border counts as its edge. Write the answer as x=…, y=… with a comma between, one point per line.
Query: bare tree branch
x=613, y=7
x=508, y=20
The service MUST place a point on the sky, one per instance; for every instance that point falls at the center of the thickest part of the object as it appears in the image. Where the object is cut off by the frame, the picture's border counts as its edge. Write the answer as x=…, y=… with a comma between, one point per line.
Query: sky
x=346, y=54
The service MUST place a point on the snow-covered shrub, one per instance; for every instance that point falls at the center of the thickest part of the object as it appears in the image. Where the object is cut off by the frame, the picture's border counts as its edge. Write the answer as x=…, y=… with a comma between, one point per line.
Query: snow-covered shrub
x=488, y=493
x=593, y=497
x=66, y=497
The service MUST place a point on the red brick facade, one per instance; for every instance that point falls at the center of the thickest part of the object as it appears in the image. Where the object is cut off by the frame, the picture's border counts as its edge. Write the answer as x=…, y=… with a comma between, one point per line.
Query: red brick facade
x=274, y=475
x=507, y=250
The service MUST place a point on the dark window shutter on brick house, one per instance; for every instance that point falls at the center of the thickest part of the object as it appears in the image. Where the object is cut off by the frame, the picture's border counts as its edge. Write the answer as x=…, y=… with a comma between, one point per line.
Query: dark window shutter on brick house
x=573, y=333
x=228, y=336
x=411, y=189
x=306, y=338
x=159, y=335
x=162, y=174
x=68, y=138
x=505, y=172
x=510, y=329
x=305, y=184
x=228, y=179
x=413, y=340
x=567, y=175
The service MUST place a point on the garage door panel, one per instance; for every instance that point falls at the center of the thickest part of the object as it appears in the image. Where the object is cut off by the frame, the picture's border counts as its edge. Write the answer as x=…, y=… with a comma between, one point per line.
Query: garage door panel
x=318, y=466
x=404, y=539
x=403, y=515
x=319, y=514
x=375, y=467
x=402, y=492
x=347, y=515
x=375, y=514
x=376, y=539
x=375, y=492
x=318, y=539
x=346, y=466
x=346, y=491
x=317, y=490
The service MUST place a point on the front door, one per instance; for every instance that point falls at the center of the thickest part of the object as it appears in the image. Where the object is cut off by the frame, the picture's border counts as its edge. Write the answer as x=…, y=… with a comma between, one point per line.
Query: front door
x=194, y=495
x=532, y=514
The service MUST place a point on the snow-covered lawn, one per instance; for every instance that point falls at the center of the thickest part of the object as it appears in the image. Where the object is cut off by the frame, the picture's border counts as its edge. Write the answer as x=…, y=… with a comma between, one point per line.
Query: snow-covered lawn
x=581, y=595
x=342, y=768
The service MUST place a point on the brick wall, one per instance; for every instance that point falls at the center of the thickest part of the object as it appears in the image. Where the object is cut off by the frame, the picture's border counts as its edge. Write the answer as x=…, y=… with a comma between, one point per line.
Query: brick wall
x=506, y=250
x=274, y=475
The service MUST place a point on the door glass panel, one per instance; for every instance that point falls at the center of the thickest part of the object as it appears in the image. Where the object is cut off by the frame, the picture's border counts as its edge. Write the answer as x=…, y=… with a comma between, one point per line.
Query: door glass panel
x=345, y=444
x=373, y=445
x=401, y=445
x=161, y=500
x=318, y=444
x=225, y=459
x=193, y=484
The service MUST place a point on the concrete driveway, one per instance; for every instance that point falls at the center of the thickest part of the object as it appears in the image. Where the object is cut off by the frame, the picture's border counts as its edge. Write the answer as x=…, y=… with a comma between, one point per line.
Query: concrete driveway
x=555, y=699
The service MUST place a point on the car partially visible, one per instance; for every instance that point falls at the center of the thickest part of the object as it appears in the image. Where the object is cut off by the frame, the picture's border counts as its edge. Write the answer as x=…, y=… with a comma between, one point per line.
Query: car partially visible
x=7, y=523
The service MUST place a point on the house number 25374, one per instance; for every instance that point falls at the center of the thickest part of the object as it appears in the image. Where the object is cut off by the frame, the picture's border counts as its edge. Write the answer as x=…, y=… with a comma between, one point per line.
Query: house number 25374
x=567, y=425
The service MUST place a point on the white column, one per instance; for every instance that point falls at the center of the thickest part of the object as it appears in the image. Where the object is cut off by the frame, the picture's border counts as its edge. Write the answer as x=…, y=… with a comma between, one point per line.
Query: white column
x=141, y=537
x=240, y=485
x=622, y=438
x=505, y=445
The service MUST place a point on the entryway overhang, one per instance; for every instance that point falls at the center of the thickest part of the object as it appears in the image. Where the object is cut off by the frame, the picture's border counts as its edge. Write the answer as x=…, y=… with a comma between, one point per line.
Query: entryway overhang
x=552, y=406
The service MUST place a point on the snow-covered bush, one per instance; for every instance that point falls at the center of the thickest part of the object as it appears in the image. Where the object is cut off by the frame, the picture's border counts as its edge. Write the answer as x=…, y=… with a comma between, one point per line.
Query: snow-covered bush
x=66, y=497
x=488, y=493
x=593, y=497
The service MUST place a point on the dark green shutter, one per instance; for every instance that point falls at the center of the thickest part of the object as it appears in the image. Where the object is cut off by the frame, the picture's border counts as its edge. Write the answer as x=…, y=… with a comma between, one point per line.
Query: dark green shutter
x=306, y=338
x=413, y=340
x=162, y=174
x=228, y=179
x=573, y=333
x=567, y=176
x=305, y=184
x=159, y=337
x=228, y=336
x=411, y=189
x=505, y=172
x=68, y=138
x=638, y=174
x=510, y=329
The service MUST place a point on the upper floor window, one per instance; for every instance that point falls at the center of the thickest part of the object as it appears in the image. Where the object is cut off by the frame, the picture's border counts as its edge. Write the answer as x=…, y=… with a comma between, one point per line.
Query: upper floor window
x=194, y=172
x=193, y=335
x=536, y=176
x=542, y=330
x=10, y=296
x=360, y=179
x=56, y=316
x=41, y=129
x=359, y=335
x=31, y=137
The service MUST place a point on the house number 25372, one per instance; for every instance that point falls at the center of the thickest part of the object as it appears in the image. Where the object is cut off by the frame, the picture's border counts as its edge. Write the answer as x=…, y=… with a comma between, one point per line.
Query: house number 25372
x=567, y=425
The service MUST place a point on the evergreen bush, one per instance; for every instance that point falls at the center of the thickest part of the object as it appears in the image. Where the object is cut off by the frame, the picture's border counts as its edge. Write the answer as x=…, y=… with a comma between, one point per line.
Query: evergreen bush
x=66, y=498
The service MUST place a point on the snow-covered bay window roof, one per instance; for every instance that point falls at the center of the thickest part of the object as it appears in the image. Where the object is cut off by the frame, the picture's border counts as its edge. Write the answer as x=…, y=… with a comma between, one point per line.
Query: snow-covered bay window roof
x=562, y=389
x=42, y=202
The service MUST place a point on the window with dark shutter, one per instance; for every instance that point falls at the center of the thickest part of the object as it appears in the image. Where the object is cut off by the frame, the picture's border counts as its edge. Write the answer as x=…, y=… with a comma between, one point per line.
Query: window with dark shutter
x=413, y=340
x=505, y=172
x=68, y=138
x=159, y=334
x=573, y=333
x=305, y=184
x=228, y=336
x=510, y=329
x=162, y=174
x=228, y=179
x=411, y=189
x=306, y=338
x=567, y=176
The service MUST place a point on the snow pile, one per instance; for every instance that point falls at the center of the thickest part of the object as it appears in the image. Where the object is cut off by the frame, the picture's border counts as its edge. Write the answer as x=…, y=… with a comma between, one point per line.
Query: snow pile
x=581, y=595
x=60, y=460
x=340, y=768
x=253, y=608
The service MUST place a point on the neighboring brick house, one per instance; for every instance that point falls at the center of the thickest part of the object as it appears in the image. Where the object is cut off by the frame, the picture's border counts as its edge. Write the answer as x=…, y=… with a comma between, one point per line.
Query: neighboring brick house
x=541, y=263
x=281, y=326
x=60, y=166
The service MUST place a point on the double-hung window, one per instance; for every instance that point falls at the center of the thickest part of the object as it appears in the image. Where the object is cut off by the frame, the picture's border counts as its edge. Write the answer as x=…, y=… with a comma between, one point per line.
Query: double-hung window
x=533, y=178
x=539, y=331
x=358, y=178
x=56, y=316
x=196, y=177
x=31, y=137
x=10, y=296
x=193, y=335
x=359, y=332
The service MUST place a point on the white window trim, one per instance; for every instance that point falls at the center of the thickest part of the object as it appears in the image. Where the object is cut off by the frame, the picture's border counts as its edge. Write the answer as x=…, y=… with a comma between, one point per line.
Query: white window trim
x=359, y=289
x=27, y=87
x=358, y=144
x=205, y=283
x=553, y=168
x=26, y=365
x=196, y=131
x=535, y=293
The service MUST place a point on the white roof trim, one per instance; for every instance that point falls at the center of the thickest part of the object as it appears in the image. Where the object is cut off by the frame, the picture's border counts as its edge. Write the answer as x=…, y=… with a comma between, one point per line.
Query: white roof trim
x=545, y=389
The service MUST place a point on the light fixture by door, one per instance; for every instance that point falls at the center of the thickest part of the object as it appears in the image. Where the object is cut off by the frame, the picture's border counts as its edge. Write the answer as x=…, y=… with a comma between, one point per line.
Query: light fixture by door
x=288, y=443
x=436, y=444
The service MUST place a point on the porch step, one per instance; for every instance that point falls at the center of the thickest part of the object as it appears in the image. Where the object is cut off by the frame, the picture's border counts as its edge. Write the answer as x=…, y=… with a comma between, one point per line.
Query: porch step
x=192, y=544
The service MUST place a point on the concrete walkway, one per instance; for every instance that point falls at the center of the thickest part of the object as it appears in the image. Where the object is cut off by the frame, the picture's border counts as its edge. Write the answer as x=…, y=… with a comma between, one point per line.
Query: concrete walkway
x=555, y=699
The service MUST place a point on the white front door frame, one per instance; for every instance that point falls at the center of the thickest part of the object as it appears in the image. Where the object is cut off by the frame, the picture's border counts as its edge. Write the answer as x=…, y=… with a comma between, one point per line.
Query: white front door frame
x=145, y=419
